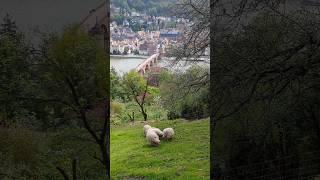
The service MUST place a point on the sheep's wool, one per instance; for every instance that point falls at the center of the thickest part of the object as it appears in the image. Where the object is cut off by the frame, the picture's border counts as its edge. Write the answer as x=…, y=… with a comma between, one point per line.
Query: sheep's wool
x=157, y=131
x=168, y=133
x=145, y=128
x=152, y=137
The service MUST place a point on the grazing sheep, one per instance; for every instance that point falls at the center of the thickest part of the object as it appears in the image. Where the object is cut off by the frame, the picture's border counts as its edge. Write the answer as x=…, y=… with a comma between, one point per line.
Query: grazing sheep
x=157, y=131
x=168, y=133
x=145, y=129
x=152, y=137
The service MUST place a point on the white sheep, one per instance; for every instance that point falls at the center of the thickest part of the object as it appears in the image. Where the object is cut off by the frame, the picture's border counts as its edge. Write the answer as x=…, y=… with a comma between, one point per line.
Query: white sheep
x=145, y=129
x=168, y=133
x=157, y=131
x=152, y=137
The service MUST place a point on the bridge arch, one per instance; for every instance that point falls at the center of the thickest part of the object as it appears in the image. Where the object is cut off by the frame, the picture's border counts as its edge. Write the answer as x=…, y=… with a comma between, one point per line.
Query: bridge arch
x=147, y=64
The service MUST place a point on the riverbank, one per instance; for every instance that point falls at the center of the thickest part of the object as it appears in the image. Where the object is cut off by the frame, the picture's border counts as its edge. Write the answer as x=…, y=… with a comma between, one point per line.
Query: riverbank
x=129, y=56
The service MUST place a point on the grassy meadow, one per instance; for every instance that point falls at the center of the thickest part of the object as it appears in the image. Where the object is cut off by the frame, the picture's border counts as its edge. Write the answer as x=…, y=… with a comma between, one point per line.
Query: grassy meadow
x=184, y=157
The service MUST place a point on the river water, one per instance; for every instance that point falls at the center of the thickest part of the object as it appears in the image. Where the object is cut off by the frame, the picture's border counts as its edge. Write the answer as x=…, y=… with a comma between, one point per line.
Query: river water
x=123, y=64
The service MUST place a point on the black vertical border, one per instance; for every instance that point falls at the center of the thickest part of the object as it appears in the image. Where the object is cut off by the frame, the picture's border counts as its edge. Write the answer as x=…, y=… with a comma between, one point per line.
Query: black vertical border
x=107, y=48
x=211, y=87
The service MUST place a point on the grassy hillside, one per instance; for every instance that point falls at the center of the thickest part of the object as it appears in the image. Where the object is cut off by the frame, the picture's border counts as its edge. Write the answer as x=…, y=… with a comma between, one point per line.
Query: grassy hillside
x=185, y=157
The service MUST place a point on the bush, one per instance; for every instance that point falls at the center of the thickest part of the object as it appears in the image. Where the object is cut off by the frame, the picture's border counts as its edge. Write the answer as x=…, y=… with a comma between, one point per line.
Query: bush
x=182, y=99
x=172, y=115
x=116, y=107
x=22, y=146
x=19, y=153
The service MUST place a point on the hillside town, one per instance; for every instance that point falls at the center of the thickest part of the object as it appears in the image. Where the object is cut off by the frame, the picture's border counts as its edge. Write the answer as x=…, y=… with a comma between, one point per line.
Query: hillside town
x=141, y=34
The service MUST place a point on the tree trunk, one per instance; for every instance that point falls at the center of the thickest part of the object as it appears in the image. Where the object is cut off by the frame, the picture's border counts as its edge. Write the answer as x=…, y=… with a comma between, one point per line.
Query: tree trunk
x=74, y=169
x=102, y=141
x=145, y=116
x=105, y=158
x=63, y=173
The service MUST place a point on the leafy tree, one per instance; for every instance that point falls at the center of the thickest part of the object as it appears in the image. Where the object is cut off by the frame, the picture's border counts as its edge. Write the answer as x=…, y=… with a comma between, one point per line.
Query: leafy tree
x=151, y=7
x=136, y=87
x=264, y=88
x=117, y=90
x=183, y=100
x=135, y=26
x=8, y=26
x=74, y=75
x=14, y=57
x=118, y=18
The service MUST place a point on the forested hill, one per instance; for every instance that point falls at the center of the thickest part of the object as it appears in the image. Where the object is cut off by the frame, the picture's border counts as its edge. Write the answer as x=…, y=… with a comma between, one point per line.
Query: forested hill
x=151, y=7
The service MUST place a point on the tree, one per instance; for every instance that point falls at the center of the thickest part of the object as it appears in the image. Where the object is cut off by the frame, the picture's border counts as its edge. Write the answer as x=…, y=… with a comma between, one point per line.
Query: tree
x=263, y=59
x=117, y=90
x=14, y=59
x=137, y=88
x=262, y=71
x=179, y=96
x=197, y=36
x=8, y=26
x=119, y=19
x=73, y=73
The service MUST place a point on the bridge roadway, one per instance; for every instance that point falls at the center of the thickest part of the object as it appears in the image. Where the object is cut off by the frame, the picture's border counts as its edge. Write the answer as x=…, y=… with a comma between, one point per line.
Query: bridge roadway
x=147, y=64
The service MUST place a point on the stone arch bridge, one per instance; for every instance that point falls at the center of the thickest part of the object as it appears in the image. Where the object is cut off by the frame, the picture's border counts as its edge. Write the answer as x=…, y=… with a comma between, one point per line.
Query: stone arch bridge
x=147, y=64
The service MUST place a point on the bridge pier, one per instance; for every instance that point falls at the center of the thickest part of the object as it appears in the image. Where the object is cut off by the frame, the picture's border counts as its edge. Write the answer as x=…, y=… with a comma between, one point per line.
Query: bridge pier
x=147, y=64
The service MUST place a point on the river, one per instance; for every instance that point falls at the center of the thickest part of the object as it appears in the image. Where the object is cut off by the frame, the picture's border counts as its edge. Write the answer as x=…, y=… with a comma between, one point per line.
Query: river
x=123, y=64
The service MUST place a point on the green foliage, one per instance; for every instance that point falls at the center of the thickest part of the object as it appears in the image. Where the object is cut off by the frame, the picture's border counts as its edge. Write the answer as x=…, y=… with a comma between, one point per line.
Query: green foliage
x=14, y=60
x=74, y=73
x=116, y=108
x=151, y=7
x=18, y=153
x=136, y=87
x=68, y=144
x=134, y=83
x=117, y=88
x=135, y=26
x=118, y=18
x=182, y=99
x=265, y=96
x=19, y=145
x=154, y=91
x=45, y=89
x=171, y=25
x=77, y=55
x=120, y=111
x=35, y=155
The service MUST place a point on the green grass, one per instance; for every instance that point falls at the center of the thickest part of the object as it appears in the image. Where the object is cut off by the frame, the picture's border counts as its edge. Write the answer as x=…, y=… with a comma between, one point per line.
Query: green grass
x=184, y=157
x=154, y=112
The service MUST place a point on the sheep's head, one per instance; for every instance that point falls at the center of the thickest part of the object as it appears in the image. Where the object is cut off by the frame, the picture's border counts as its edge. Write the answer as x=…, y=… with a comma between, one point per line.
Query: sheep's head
x=146, y=127
x=155, y=140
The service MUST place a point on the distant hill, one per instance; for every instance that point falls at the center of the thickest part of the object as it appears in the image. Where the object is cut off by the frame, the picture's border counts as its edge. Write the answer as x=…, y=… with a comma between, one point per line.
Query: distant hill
x=150, y=7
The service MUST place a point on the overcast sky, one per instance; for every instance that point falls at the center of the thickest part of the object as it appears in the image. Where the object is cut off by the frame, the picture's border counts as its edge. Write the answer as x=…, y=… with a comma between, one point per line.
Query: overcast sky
x=46, y=14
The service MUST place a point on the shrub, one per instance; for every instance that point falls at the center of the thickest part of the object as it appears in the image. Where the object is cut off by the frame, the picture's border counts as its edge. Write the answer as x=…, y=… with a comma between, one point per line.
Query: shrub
x=172, y=115
x=22, y=146
x=116, y=107
x=181, y=98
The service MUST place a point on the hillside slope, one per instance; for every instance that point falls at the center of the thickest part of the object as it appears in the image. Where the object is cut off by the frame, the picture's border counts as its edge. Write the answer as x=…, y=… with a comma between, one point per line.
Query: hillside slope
x=185, y=157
